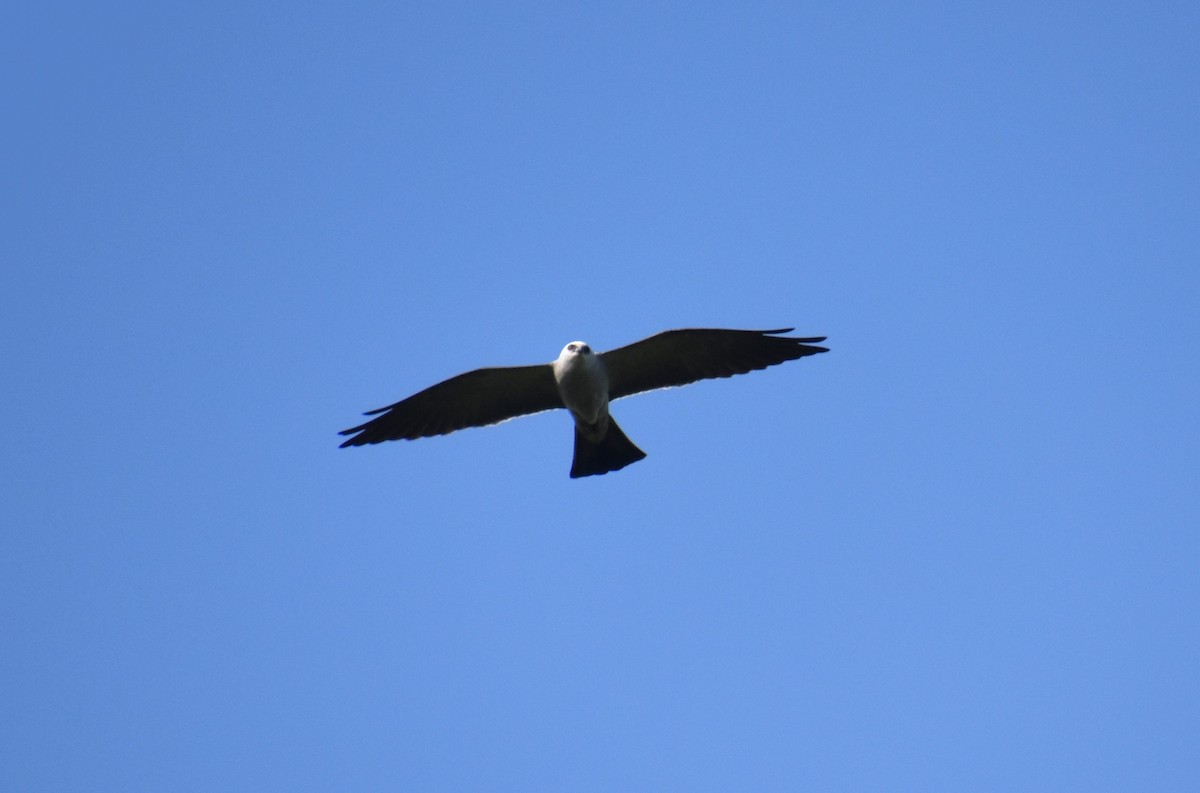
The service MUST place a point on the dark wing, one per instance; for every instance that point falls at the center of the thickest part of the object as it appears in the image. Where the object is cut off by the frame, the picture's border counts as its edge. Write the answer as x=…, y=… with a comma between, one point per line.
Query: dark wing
x=473, y=399
x=679, y=357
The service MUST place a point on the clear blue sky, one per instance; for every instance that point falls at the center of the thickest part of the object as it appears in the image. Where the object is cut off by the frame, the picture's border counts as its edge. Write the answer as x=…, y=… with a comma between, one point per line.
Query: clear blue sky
x=958, y=552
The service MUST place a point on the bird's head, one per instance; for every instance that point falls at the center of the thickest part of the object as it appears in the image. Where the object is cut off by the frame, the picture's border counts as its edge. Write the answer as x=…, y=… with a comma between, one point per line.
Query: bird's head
x=575, y=348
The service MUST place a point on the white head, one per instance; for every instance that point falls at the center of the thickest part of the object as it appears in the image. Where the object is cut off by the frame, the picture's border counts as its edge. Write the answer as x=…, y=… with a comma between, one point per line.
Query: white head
x=575, y=348
x=577, y=357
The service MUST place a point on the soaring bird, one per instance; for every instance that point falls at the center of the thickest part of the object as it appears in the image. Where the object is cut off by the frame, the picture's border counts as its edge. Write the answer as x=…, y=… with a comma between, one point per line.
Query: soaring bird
x=583, y=382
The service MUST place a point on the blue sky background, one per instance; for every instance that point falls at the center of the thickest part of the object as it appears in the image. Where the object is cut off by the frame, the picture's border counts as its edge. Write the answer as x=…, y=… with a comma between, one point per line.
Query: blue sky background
x=958, y=552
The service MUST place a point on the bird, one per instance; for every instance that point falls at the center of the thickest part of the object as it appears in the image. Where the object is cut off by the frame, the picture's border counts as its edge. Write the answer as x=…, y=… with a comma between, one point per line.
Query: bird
x=584, y=382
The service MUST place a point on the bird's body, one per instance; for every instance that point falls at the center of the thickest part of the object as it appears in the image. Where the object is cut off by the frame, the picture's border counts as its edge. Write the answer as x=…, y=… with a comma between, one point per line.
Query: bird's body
x=600, y=445
x=584, y=383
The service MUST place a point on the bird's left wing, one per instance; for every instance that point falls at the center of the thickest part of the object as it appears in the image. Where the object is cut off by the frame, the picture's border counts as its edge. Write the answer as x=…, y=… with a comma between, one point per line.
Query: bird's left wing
x=679, y=357
x=472, y=399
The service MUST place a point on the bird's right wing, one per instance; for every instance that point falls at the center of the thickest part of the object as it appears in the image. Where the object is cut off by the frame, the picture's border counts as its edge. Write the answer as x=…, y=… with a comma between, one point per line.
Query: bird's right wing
x=472, y=399
x=679, y=357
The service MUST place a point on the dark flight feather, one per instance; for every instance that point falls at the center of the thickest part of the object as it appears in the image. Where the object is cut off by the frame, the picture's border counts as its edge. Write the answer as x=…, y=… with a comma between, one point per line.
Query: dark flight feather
x=679, y=357
x=473, y=399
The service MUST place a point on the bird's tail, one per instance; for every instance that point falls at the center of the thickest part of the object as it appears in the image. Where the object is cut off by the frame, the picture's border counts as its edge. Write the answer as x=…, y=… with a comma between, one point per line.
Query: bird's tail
x=611, y=453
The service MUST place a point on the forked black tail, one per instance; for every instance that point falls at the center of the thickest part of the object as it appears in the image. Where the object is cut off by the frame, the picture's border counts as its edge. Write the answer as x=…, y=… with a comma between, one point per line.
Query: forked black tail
x=612, y=453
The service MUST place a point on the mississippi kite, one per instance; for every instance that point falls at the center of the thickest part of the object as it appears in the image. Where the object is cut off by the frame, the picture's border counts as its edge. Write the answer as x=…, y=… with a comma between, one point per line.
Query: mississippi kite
x=583, y=382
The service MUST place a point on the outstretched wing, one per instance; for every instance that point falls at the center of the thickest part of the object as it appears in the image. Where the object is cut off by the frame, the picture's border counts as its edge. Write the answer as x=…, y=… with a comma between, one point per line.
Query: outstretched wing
x=679, y=357
x=472, y=399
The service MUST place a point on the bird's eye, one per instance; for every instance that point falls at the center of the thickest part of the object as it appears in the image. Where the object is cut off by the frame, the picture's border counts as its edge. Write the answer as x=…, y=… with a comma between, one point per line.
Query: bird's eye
x=585, y=349
x=571, y=347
